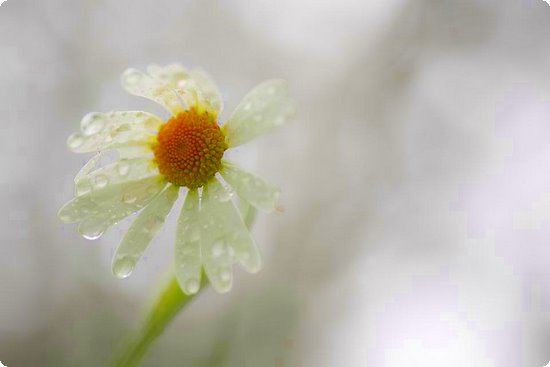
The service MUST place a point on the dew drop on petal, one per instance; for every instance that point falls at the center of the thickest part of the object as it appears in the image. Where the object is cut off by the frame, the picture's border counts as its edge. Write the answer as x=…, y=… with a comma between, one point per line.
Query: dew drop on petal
x=225, y=276
x=131, y=77
x=129, y=198
x=92, y=234
x=92, y=123
x=101, y=181
x=217, y=249
x=123, y=168
x=192, y=286
x=123, y=267
x=75, y=141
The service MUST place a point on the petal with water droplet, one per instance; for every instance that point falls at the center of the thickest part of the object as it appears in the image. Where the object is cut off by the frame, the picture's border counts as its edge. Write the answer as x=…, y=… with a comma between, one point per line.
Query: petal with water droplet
x=118, y=129
x=209, y=92
x=140, y=84
x=170, y=74
x=262, y=109
x=120, y=171
x=110, y=204
x=188, y=245
x=224, y=237
x=141, y=232
x=195, y=87
x=257, y=191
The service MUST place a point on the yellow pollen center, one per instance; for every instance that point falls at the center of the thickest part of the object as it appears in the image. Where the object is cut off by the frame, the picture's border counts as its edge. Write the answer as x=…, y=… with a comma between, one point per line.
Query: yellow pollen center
x=189, y=149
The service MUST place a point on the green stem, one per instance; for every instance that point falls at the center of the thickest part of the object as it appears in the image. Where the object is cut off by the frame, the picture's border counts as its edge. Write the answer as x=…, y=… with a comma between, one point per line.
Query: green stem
x=171, y=301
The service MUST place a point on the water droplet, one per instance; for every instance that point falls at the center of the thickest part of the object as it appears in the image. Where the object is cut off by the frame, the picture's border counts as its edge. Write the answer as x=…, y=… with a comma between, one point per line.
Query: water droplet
x=225, y=276
x=92, y=234
x=192, y=286
x=83, y=189
x=129, y=198
x=92, y=123
x=101, y=181
x=75, y=141
x=217, y=249
x=123, y=267
x=123, y=168
x=131, y=77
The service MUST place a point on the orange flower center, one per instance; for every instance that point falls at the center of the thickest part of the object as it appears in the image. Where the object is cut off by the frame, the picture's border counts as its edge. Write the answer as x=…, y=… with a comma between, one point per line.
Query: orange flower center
x=189, y=149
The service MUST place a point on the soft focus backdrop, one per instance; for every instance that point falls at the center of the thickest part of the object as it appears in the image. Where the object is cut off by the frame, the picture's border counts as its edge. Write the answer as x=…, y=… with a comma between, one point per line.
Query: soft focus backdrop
x=415, y=179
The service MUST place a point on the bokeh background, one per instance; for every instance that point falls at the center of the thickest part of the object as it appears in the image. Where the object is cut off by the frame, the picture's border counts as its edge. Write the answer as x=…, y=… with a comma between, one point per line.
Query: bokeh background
x=415, y=180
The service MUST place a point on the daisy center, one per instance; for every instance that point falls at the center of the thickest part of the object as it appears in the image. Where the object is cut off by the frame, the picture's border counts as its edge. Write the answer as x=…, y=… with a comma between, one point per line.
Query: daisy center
x=189, y=149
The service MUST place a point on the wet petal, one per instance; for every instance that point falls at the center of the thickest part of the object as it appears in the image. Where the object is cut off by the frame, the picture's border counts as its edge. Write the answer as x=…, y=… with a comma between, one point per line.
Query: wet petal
x=141, y=232
x=188, y=245
x=115, y=129
x=265, y=107
x=224, y=237
x=114, y=201
x=195, y=87
x=170, y=74
x=140, y=84
x=257, y=191
x=120, y=171
x=209, y=93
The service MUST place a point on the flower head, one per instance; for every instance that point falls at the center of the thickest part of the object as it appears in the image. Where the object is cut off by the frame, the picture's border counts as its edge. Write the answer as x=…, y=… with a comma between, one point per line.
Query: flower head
x=157, y=159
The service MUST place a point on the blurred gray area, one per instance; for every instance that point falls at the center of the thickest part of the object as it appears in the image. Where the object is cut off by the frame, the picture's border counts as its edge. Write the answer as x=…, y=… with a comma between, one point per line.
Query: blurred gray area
x=415, y=182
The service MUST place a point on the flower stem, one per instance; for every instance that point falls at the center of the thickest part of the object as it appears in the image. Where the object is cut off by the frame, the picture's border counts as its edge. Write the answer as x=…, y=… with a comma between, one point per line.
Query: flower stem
x=171, y=301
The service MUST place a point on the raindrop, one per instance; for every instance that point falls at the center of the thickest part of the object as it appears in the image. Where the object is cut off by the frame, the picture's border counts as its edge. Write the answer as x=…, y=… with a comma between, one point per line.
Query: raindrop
x=192, y=286
x=129, y=198
x=92, y=123
x=93, y=234
x=225, y=276
x=217, y=249
x=75, y=141
x=131, y=77
x=123, y=267
x=83, y=189
x=123, y=168
x=101, y=181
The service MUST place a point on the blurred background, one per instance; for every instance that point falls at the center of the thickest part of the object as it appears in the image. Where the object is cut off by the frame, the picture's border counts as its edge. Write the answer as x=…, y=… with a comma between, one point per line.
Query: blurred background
x=415, y=180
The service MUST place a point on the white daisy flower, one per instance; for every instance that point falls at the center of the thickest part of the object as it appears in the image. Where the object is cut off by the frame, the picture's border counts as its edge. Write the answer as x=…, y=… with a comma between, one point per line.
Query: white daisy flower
x=158, y=158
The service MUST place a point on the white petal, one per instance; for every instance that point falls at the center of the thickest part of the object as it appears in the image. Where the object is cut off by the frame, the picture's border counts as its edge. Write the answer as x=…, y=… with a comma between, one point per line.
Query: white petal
x=209, y=91
x=195, y=87
x=170, y=74
x=115, y=129
x=120, y=171
x=188, y=245
x=113, y=201
x=224, y=237
x=257, y=191
x=142, y=231
x=140, y=84
x=263, y=108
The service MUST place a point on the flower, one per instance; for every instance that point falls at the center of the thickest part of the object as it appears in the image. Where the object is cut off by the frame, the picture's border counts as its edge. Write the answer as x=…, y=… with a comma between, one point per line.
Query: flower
x=156, y=159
